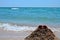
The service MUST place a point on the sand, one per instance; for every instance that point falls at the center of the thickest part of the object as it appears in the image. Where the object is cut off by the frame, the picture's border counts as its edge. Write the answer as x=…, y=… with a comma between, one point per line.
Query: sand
x=13, y=35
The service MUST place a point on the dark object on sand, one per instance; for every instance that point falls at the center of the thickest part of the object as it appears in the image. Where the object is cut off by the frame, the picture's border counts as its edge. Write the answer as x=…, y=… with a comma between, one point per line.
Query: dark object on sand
x=41, y=33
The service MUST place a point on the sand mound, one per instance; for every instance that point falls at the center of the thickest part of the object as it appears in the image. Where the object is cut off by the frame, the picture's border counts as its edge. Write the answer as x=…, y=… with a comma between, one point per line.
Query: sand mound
x=41, y=33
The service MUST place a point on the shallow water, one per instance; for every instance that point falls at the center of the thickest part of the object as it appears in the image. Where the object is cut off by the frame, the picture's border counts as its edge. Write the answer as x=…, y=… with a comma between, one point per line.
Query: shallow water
x=30, y=15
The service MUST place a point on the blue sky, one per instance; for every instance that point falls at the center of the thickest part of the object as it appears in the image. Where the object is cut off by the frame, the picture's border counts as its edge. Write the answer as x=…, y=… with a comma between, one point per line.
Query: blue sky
x=29, y=3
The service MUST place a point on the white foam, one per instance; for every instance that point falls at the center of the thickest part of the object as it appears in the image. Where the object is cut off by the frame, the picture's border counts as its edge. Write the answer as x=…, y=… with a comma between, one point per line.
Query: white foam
x=14, y=8
x=54, y=29
x=7, y=26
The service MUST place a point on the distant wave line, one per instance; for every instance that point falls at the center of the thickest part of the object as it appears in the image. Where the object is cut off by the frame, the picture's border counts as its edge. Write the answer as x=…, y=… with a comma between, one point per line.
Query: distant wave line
x=14, y=8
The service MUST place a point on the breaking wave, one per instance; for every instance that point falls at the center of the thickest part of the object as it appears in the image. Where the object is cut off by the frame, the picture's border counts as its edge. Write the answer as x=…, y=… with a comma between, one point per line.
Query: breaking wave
x=11, y=27
x=7, y=26
x=14, y=8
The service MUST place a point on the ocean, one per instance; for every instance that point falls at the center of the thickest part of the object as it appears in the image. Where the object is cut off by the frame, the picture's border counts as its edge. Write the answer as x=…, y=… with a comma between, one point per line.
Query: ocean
x=10, y=17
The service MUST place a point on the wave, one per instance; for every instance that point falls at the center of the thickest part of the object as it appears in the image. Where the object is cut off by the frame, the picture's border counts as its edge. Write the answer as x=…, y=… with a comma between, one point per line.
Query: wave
x=15, y=27
x=14, y=8
x=7, y=26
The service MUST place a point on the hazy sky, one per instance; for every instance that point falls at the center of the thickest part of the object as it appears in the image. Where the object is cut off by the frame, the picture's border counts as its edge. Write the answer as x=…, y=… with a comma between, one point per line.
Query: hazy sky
x=29, y=3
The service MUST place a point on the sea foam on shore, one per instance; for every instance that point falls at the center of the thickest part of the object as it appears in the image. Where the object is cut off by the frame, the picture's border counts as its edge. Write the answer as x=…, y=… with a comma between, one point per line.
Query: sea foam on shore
x=7, y=26
x=15, y=27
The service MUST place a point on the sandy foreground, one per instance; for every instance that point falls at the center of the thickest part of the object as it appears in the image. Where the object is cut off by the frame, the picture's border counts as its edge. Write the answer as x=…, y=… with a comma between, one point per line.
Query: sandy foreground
x=13, y=35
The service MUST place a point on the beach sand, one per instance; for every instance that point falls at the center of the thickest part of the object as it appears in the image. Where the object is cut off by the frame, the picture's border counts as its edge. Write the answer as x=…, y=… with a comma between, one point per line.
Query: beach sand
x=13, y=35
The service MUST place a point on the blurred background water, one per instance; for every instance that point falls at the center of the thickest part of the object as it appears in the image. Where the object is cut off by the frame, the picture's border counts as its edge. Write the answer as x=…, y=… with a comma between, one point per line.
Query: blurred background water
x=30, y=15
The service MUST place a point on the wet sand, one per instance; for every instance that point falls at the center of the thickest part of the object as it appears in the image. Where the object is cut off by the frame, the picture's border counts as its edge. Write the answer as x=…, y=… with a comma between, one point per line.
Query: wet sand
x=13, y=35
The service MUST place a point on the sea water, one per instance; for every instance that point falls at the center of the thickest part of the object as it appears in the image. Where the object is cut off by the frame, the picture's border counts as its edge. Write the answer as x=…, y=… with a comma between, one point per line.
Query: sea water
x=28, y=16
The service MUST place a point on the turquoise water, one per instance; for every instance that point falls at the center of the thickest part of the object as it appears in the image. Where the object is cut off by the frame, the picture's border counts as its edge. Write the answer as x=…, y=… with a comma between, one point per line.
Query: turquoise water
x=30, y=15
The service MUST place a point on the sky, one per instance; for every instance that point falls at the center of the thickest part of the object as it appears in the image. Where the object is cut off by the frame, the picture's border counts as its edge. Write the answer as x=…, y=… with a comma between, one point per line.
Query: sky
x=29, y=3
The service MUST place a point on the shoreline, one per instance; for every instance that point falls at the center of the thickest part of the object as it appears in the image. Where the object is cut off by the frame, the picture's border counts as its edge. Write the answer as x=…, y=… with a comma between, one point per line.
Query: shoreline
x=23, y=27
x=21, y=34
